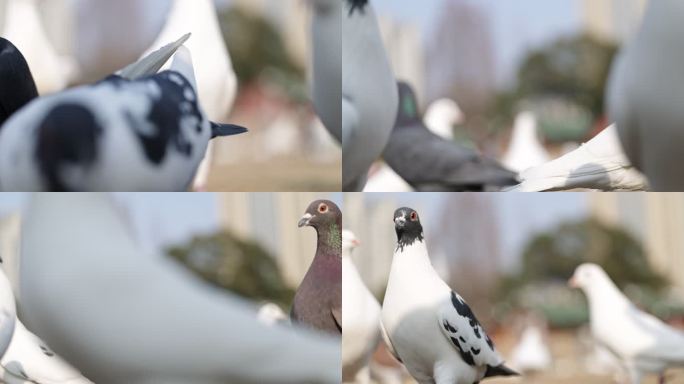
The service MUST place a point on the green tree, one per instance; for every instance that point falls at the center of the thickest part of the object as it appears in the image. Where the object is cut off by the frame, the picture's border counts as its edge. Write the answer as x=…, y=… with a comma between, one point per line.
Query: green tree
x=241, y=266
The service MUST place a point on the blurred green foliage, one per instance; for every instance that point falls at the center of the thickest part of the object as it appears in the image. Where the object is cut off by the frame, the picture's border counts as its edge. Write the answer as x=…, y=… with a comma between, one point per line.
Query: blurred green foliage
x=259, y=53
x=241, y=266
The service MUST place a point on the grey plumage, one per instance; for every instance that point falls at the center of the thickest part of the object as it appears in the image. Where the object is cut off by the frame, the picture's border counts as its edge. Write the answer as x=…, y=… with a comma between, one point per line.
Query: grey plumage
x=431, y=163
x=318, y=301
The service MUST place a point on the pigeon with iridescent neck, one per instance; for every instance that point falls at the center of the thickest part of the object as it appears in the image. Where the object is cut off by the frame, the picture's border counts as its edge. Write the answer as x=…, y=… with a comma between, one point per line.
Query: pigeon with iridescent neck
x=318, y=301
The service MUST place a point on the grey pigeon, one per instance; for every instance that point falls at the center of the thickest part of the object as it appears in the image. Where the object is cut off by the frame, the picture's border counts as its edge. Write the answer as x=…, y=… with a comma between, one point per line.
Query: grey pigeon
x=428, y=326
x=318, y=301
x=431, y=163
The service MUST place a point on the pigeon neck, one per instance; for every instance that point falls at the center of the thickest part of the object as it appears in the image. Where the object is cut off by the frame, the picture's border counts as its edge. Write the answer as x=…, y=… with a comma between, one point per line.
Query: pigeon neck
x=607, y=295
x=330, y=240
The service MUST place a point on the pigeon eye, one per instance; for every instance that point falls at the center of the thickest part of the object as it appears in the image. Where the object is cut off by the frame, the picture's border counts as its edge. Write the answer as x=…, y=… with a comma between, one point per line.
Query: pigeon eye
x=413, y=216
x=322, y=208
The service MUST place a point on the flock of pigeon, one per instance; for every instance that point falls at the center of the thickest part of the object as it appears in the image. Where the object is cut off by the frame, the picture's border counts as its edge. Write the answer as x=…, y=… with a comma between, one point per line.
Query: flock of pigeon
x=121, y=315
x=432, y=331
x=637, y=152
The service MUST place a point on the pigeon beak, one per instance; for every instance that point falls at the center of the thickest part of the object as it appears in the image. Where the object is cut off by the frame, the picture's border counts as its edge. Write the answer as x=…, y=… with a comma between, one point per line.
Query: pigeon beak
x=304, y=220
x=356, y=243
x=572, y=283
x=400, y=221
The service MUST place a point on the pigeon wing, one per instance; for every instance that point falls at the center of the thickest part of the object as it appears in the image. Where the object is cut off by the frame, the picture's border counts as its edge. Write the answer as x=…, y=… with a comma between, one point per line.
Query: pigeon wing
x=337, y=317
x=350, y=121
x=462, y=329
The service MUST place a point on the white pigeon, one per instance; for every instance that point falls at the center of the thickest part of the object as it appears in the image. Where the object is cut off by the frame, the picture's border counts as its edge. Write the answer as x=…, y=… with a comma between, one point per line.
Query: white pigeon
x=24, y=28
x=441, y=116
x=384, y=179
x=214, y=73
x=125, y=316
x=138, y=131
x=643, y=343
x=531, y=354
x=598, y=164
x=644, y=92
x=427, y=326
x=360, y=318
x=369, y=94
x=8, y=313
x=272, y=314
x=326, y=27
x=525, y=151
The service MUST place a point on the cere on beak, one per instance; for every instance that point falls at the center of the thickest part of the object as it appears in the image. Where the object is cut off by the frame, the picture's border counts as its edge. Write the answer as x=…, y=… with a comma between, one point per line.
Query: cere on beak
x=572, y=283
x=304, y=220
x=400, y=221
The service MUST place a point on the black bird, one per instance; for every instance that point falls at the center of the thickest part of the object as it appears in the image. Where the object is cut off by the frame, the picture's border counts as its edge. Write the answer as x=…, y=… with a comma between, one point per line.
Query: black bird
x=429, y=162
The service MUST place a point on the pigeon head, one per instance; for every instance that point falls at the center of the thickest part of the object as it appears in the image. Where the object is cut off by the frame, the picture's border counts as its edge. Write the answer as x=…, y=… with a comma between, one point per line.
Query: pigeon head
x=349, y=242
x=407, y=113
x=408, y=227
x=357, y=4
x=588, y=276
x=17, y=87
x=322, y=214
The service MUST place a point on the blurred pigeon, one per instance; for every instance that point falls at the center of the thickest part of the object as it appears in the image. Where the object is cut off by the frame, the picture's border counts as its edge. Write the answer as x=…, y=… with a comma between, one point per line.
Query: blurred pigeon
x=272, y=314
x=360, y=319
x=531, y=354
x=643, y=94
x=122, y=315
x=130, y=132
x=597, y=164
x=525, y=151
x=8, y=313
x=369, y=94
x=429, y=327
x=327, y=63
x=430, y=163
x=318, y=301
x=30, y=360
x=214, y=73
x=644, y=343
x=441, y=116
x=382, y=178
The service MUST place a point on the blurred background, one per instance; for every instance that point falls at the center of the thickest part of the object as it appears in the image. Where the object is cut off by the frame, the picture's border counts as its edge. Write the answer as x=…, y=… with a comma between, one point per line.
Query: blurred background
x=510, y=256
x=497, y=60
x=248, y=243
x=71, y=42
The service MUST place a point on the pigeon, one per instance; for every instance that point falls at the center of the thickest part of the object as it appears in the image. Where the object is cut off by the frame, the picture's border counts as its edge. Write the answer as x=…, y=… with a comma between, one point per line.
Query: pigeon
x=271, y=314
x=369, y=94
x=643, y=93
x=598, y=164
x=531, y=354
x=643, y=343
x=382, y=178
x=360, y=319
x=429, y=327
x=24, y=28
x=441, y=116
x=123, y=315
x=430, y=163
x=318, y=301
x=129, y=132
x=327, y=63
x=215, y=76
x=8, y=313
x=525, y=151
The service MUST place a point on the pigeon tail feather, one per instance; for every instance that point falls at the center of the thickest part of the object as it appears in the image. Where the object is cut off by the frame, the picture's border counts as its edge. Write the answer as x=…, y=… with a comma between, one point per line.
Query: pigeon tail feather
x=500, y=370
x=152, y=63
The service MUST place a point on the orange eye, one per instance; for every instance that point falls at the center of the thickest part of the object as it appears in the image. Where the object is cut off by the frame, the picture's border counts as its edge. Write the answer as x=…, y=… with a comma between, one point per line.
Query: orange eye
x=413, y=216
x=322, y=208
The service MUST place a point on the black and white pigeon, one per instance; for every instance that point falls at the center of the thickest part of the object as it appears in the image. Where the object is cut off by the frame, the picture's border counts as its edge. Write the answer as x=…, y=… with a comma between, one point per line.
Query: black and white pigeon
x=369, y=94
x=138, y=130
x=431, y=163
x=428, y=326
x=318, y=301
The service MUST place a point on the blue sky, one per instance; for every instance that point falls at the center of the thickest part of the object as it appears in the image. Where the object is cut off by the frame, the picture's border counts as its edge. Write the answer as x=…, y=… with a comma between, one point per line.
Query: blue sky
x=517, y=24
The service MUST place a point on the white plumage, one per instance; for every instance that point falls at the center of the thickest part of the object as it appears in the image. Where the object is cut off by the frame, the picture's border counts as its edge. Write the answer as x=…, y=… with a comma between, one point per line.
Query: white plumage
x=643, y=343
x=525, y=151
x=441, y=116
x=360, y=318
x=125, y=316
x=599, y=164
x=531, y=354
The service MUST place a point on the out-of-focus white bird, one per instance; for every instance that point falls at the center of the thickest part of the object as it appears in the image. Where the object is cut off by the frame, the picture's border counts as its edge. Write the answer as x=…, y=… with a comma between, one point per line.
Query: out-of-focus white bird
x=360, y=319
x=531, y=354
x=8, y=313
x=441, y=116
x=525, y=151
x=24, y=28
x=272, y=314
x=326, y=27
x=643, y=343
x=644, y=92
x=599, y=164
x=384, y=179
x=369, y=94
x=216, y=79
x=125, y=316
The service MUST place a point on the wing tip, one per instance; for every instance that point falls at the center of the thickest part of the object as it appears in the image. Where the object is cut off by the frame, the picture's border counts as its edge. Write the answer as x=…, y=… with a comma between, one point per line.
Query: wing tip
x=500, y=370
